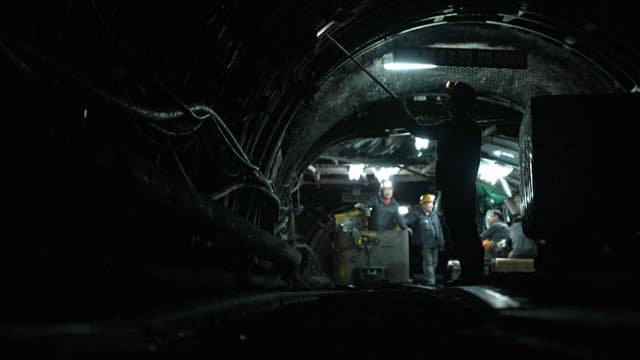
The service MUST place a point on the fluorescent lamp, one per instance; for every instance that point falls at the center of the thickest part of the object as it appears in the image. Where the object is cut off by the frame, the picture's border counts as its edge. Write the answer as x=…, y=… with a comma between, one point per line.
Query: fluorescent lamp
x=490, y=171
x=403, y=210
x=384, y=173
x=502, y=153
x=325, y=28
x=356, y=171
x=408, y=66
x=421, y=143
x=399, y=60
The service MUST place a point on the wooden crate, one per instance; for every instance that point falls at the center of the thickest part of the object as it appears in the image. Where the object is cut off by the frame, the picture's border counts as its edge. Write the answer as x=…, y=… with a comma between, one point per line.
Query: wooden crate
x=513, y=265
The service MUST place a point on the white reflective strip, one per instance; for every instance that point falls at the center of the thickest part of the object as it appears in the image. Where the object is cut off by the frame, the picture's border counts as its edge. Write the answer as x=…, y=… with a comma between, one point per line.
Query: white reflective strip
x=495, y=299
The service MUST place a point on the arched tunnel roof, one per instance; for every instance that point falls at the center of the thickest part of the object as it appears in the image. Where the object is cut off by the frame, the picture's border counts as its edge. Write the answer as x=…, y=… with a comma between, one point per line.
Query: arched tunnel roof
x=156, y=147
x=556, y=48
x=279, y=87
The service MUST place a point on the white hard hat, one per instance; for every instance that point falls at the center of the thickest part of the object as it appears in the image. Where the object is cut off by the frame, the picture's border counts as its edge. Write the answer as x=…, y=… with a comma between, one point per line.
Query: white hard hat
x=386, y=184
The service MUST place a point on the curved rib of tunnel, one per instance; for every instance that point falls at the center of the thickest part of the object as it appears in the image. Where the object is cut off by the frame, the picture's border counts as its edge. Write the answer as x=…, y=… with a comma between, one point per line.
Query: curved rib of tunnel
x=174, y=169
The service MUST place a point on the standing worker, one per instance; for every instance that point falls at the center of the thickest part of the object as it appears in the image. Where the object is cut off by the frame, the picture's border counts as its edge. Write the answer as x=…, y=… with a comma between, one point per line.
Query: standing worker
x=427, y=238
x=494, y=238
x=383, y=210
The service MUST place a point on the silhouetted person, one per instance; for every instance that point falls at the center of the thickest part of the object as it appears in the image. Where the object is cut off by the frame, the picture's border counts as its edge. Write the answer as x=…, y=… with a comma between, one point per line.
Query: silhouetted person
x=458, y=152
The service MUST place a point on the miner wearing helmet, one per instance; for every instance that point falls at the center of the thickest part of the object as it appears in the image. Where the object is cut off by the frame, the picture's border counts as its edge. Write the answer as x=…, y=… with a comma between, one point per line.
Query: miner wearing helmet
x=426, y=241
x=383, y=210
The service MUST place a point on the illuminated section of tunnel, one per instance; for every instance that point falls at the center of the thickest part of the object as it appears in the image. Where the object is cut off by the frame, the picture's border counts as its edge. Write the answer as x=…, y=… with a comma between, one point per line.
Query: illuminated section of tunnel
x=221, y=228
x=350, y=105
x=552, y=65
x=271, y=121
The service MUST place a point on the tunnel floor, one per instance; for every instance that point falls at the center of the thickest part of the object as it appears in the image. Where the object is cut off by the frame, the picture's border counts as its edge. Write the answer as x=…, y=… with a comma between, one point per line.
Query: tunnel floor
x=516, y=315
x=417, y=323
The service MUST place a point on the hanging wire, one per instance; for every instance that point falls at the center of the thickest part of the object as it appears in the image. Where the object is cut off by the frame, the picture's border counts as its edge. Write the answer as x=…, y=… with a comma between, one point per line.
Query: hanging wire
x=158, y=120
x=160, y=116
x=182, y=170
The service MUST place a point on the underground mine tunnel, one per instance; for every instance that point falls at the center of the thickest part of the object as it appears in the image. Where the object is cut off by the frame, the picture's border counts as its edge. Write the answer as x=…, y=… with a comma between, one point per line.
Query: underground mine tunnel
x=181, y=177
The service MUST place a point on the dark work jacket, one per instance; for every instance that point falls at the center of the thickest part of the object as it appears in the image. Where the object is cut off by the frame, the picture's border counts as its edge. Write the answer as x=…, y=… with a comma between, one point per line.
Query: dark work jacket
x=496, y=232
x=427, y=230
x=384, y=217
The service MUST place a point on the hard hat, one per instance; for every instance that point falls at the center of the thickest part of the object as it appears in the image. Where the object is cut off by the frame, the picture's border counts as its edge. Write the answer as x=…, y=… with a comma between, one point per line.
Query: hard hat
x=427, y=198
x=461, y=94
x=449, y=85
x=459, y=88
x=386, y=184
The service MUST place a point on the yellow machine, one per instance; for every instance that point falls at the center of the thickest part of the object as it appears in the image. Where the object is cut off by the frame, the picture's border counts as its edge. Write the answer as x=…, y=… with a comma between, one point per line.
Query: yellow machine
x=363, y=256
x=349, y=220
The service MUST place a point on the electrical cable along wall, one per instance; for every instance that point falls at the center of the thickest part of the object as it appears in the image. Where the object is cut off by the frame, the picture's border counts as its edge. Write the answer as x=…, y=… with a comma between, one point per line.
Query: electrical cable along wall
x=123, y=176
x=217, y=107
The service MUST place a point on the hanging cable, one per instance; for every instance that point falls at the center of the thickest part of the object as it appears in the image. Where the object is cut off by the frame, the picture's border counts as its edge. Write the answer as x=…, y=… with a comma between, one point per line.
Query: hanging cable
x=324, y=31
x=184, y=173
x=234, y=187
x=153, y=115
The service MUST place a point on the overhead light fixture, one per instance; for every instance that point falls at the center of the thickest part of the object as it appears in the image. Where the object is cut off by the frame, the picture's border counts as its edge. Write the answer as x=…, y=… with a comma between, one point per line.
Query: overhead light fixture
x=325, y=28
x=490, y=171
x=502, y=153
x=393, y=62
x=421, y=143
x=356, y=171
x=409, y=66
x=431, y=57
x=384, y=173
